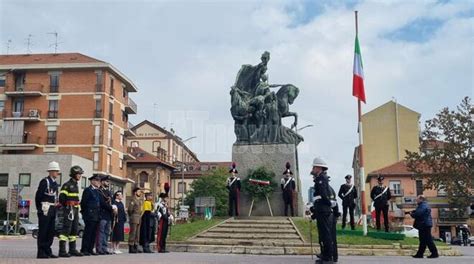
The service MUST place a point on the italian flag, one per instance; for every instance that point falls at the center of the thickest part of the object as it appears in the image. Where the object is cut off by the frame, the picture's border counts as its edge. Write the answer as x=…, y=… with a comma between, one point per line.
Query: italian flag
x=358, y=79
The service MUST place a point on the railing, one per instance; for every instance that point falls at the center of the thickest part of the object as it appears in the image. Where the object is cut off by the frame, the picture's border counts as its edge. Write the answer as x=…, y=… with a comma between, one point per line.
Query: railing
x=53, y=114
x=19, y=139
x=26, y=87
x=29, y=113
x=132, y=105
x=98, y=113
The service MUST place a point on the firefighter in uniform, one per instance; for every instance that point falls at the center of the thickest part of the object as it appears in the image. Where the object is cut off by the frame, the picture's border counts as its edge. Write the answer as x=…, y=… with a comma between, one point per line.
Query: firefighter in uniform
x=45, y=201
x=90, y=208
x=69, y=200
x=323, y=210
x=233, y=185
x=135, y=213
x=288, y=186
x=348, y=193
x=380, y=196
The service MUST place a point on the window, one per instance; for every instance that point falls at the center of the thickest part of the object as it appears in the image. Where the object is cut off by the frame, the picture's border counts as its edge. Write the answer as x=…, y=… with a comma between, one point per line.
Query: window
x=59, y=179
x=99, y=82
x=54, y=82
x=18, y=104
x=143, y=178
x=3, y=180
x=124, y=92
x=51, y=138
x=2, y=105
x=96, y=160
x=112, y=92
x=395, y=187
x=156, y=145
x=135, y=144
x=111, y=111
x=109, y=163
x=419, y=187
x=53, y=109
x=120, y=163
x=98, y=108
x=84, y=182
x=109, y=136
x=441, y=190
x=124, y=116
x=25, y=179
x=2, y=79
x=204, y=168
x=181, y=187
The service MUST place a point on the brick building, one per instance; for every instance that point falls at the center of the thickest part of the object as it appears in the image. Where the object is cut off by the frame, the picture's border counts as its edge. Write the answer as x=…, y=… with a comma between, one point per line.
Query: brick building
x=66, y=103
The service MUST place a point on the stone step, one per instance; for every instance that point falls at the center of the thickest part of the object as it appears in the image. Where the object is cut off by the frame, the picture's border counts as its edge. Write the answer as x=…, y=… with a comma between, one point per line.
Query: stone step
x=253, y=230
x=266, y=226
x=248, y=235
x=246, y=242
x=263, y=222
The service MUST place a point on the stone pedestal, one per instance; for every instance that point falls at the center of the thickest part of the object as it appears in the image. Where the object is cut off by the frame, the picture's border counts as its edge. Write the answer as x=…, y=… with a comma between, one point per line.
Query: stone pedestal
x=273, y=157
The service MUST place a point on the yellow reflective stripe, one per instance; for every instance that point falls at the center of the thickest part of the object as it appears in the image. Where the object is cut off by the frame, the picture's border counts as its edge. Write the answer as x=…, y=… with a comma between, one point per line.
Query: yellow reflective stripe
x=63, y=238
x=68, y=194
x=77, y=206
x=64, y=191
x=72, y=238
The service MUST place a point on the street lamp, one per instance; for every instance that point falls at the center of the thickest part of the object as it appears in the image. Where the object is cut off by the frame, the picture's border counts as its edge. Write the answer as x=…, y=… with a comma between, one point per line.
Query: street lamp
x=182, y=170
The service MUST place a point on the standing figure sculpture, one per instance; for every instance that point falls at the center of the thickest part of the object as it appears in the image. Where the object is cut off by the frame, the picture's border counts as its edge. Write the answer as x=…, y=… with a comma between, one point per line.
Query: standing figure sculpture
x=257, y=111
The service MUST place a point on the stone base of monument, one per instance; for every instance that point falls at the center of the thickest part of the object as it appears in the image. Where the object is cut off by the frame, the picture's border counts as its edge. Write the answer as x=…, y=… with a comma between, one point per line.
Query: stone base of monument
x=273, y=157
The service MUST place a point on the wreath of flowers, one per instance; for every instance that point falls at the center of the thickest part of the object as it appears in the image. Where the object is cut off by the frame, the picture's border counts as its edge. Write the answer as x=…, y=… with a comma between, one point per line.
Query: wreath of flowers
x=260, y=183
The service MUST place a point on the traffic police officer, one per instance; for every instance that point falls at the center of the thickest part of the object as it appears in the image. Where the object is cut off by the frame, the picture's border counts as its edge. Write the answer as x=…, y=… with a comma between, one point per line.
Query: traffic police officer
x=348, y=194
x=322, y=209
x=380, y=196
x=288, y=186
x=69, y=200
x=90, y=208
x=45, y=200
x=233, y=185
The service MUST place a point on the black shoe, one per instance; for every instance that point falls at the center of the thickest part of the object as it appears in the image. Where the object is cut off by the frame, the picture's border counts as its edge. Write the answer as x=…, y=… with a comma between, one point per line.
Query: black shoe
x=52, y=256
x=42, y=256
x=107, y=253
x=131, y=249
x=433, y=256
x=417, y=256
x=85, y=253
x=93, y=253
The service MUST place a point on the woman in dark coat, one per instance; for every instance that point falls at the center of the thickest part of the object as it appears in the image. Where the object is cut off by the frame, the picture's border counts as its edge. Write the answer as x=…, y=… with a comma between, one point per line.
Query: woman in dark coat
x=120, y=217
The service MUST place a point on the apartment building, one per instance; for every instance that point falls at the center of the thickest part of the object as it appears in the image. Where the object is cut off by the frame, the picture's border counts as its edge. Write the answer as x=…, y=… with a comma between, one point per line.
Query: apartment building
x=66, y=103
x=388, y=131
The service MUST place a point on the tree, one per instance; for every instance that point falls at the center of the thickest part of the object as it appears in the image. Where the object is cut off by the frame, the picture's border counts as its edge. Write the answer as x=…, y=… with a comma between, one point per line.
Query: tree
x=446, y=154
x=213, y=185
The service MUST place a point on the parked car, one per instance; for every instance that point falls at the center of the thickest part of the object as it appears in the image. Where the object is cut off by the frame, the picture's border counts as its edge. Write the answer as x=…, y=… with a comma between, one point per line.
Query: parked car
x=25, y=227
x=458, y=241
x=409, y=231
x=472, y=241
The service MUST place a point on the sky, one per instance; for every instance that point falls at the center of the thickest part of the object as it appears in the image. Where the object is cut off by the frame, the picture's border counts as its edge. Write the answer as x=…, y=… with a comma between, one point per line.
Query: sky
x=184, y=56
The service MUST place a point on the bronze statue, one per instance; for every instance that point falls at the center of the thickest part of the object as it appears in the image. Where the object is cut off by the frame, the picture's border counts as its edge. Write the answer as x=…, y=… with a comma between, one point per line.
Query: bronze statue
x=257, y=111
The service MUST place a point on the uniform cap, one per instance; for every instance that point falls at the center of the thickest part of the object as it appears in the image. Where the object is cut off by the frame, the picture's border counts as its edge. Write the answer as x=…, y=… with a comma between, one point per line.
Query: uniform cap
x=380, y=178
x=105, y=178
x=288, y=166
x=94, y=177
x=53, y=166
x=233, y=169
x=348, y=176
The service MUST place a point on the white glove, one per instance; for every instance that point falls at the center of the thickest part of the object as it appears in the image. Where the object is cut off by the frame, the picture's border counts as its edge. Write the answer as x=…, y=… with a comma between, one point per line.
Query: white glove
x=317, y=198
x=333, y=203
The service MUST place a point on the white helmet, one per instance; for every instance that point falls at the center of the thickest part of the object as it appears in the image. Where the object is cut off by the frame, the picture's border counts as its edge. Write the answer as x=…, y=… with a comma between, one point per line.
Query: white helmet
x=53, y=166
x=319, y=162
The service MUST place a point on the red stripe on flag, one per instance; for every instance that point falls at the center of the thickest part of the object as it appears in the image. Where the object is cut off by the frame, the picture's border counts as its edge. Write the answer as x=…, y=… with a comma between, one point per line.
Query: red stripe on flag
x=358, y=88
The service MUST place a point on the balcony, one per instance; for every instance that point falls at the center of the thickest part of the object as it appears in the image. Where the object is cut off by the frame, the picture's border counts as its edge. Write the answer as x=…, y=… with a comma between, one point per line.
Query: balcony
x=27, y=89
x=131, y=107
x=396, y=193
x=19, y=142
x=128, y=131
x=28, y=115
x=53, y=114
x=452, y=216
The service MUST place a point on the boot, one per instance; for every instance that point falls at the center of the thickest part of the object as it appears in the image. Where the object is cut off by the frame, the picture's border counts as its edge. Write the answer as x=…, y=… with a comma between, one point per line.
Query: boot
x=62, y=250
x=73, y=251
x=146, y=249
x=131, y=249
x=138, y=249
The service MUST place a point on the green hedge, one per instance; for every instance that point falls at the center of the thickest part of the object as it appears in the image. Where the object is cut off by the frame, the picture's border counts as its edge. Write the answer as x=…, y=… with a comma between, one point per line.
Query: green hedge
x=381, y=235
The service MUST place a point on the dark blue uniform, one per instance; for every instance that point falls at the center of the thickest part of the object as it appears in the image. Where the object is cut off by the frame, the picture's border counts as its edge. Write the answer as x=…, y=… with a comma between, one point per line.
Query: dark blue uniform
x=90, y=208
x=45, y=200
x=288, y=186
x=324, y=215
x=348, y=194
x=381, y=197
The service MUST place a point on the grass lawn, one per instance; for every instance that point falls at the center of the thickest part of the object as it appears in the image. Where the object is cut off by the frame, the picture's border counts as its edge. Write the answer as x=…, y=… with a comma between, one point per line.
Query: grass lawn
x=182, y=232
x=303, y=226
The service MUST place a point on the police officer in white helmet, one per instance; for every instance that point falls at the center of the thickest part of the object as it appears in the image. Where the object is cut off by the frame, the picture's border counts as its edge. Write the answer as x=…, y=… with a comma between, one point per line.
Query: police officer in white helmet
x=322, y=210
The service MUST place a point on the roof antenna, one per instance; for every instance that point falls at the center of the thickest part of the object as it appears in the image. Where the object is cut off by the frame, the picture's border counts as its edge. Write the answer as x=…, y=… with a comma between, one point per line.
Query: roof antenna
x=56, y=43
x=8, y=45
x=29, y=43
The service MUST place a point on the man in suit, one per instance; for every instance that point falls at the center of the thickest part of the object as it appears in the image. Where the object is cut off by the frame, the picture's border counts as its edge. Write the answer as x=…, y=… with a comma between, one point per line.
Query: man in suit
x=348, y=193
x=381, y=195
x=90, y=208
x=45, y=200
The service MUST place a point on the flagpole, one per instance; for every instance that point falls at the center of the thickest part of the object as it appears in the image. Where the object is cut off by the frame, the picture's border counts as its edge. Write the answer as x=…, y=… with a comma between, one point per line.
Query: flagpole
x=361, y=157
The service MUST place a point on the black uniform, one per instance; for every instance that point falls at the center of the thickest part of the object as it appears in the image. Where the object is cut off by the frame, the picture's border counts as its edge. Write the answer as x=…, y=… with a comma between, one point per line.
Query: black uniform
x=324, y=215
x=69, y=200
x=90, y=208
x=335, y=215
x=163, y=215
x=381, y=195
x=348, y=193
x=288, y=186
x=45, y=200
x=233, y=185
